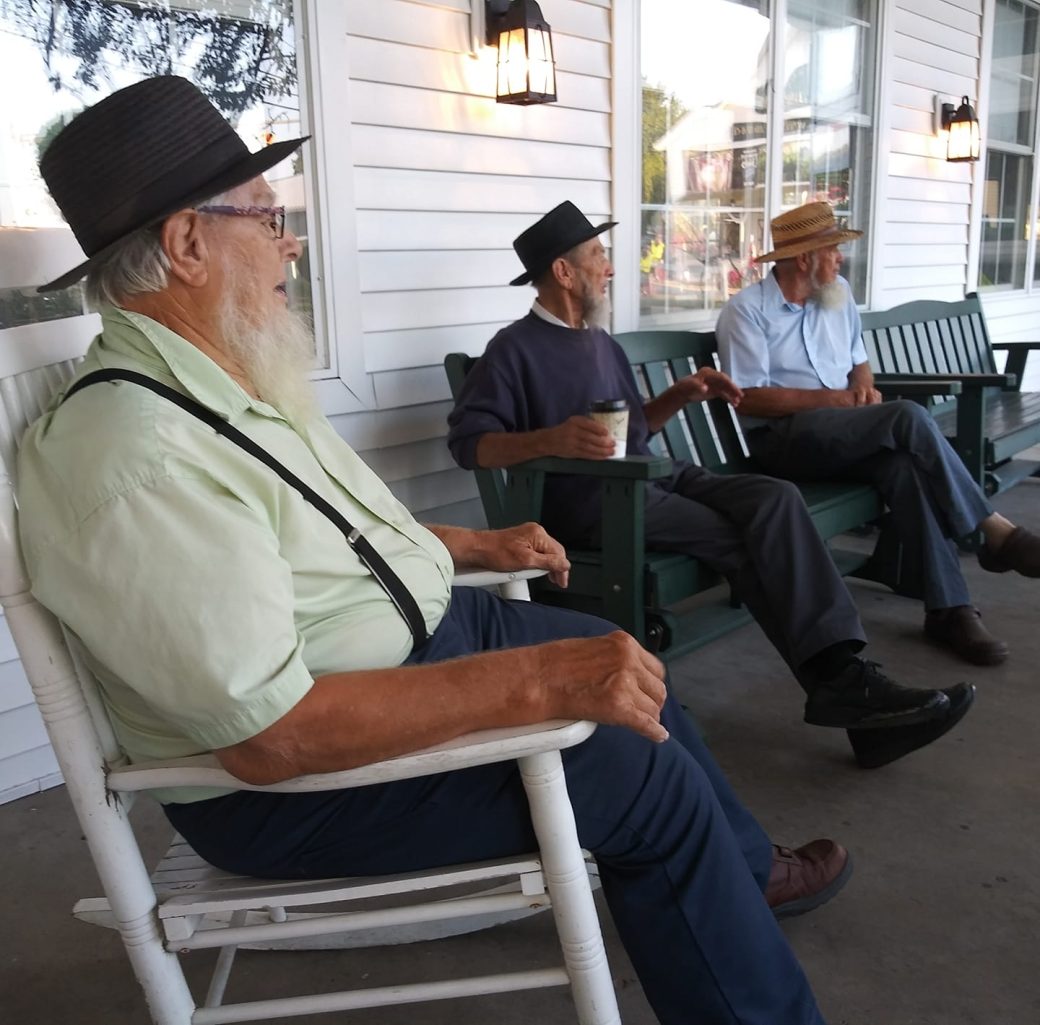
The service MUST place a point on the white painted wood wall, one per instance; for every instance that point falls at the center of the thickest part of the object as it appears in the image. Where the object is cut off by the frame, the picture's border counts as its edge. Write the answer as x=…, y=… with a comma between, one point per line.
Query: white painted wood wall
x=444, y=180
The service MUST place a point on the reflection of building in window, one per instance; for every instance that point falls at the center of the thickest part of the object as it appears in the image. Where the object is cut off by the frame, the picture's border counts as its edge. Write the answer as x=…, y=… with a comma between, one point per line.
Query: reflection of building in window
x=719, y=191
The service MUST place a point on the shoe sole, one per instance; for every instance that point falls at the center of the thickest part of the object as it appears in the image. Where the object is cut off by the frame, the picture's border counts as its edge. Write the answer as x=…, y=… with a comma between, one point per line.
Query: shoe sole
x=811, y=901
x=935, y=708
x=962, y=697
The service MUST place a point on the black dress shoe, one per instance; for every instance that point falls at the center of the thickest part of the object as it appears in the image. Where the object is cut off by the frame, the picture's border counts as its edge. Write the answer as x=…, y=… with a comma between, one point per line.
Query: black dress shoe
x=874, y=748
x=960, y=629
x=1020, y=552
x=861, y=697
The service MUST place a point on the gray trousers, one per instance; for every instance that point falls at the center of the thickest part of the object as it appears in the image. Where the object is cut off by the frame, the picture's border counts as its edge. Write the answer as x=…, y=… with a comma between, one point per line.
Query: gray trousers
x=897, y=447
x=757, y=531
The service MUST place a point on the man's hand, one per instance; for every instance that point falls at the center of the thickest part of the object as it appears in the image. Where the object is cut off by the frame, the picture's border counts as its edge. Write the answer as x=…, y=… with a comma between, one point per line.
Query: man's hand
x=525, y=547
x=580, y=437
x=709, y=383
x=865, y=395
x=611, y=680
x=847, y=398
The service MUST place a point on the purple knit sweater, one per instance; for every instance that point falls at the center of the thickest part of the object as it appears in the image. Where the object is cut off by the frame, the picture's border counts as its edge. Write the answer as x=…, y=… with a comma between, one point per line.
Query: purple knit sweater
x=535, y=374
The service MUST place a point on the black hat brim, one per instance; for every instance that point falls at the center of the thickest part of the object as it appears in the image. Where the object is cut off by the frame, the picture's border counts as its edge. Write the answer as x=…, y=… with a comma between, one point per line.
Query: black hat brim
x=575, y=240
x=238, y=174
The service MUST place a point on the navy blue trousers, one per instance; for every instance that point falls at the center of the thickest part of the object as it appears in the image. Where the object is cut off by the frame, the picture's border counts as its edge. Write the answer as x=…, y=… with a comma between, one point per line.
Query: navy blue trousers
x=897, y=447
x=682, y=862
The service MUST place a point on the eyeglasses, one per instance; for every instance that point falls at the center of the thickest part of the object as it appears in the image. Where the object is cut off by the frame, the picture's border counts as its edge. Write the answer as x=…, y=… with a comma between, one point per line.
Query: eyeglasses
x=275, y=213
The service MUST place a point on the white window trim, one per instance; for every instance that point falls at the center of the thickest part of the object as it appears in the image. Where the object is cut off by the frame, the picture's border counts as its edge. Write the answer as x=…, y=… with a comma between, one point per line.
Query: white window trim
x=1031, y=288
x=345, y=386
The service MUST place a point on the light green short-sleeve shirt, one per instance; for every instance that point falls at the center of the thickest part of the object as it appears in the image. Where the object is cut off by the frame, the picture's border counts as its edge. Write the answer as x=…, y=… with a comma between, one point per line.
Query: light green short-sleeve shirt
x=206, y=593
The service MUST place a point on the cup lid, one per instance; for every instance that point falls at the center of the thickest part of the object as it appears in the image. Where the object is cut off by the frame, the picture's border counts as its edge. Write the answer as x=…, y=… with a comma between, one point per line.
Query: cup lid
x=607, y=405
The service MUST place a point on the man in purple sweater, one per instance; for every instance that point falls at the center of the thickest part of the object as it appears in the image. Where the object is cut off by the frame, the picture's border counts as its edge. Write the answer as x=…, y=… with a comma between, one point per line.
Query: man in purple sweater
x=527, y=397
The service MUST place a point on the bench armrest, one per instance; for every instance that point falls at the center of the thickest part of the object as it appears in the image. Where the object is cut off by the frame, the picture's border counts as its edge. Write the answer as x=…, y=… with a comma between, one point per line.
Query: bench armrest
x=627, y=468
x=481, y=748
x=899, y=384
x=967, y=381
x=1016, y=346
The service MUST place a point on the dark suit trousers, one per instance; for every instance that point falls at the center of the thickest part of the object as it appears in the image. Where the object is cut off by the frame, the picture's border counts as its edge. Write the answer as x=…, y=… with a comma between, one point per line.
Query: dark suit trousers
x=757, y=531
x=897, y=447
x=682, y=862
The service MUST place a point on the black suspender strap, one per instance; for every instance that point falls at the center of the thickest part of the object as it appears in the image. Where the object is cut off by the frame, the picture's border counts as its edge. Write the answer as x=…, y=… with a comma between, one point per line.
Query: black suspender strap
x=370, y=558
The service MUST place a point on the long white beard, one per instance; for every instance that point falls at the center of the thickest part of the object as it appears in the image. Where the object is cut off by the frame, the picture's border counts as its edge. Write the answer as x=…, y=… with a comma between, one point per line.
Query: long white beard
x=596, y=312
x=275, y=355
x=830, y=296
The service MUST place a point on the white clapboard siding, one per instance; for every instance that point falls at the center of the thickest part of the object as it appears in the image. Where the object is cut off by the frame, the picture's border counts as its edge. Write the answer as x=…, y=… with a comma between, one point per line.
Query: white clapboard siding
x=925, y=202
x=444, y=180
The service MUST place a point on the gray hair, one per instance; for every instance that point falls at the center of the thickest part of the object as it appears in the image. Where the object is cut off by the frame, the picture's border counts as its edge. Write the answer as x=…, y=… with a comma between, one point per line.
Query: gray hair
x=136, y=265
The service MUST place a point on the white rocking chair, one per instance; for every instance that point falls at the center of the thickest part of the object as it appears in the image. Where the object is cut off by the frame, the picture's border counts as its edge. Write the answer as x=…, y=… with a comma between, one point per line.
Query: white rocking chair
x=187, y=905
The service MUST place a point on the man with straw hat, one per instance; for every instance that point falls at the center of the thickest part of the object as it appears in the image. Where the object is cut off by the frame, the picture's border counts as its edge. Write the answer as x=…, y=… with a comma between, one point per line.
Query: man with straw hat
x=225, y=608
x=810, y=410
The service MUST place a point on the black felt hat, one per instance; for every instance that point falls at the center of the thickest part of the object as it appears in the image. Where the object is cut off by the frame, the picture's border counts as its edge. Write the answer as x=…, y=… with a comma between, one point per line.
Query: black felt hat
x=559, y=231
x=138, y=156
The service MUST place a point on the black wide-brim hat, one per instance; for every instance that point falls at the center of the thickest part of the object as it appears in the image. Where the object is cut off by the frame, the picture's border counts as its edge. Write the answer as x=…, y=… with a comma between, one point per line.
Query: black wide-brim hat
x=558, y=232
x=139, y=155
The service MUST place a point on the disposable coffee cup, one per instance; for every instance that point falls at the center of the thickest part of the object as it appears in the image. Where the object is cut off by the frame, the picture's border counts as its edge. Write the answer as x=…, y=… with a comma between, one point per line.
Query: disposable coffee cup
x=613, y=414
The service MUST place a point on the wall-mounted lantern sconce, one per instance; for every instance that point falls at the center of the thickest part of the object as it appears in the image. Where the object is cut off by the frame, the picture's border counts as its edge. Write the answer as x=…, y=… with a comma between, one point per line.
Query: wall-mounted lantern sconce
x=962, y=123
x=526, y=66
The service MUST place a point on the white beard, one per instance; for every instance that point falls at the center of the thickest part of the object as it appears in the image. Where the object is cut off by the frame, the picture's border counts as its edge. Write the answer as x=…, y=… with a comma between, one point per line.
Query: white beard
x=596, y=311
x=828, y=297
x=275, y=355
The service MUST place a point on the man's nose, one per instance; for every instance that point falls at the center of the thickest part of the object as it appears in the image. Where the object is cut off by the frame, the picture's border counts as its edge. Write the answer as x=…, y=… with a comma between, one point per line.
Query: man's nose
x=292, y=247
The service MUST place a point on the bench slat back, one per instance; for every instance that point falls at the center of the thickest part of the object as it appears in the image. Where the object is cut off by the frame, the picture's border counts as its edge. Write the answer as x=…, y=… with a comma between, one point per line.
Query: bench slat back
x=705, y=433
x=929, y=338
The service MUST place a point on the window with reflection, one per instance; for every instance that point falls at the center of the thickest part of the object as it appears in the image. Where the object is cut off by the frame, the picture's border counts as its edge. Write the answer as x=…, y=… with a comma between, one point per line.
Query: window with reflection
x=718, y=164
x=1007, y=223
x=62, y=56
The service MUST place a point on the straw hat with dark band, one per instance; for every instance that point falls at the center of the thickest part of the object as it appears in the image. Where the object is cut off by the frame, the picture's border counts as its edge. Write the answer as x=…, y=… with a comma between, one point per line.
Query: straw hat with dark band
x=139, y=155
x=805, y=229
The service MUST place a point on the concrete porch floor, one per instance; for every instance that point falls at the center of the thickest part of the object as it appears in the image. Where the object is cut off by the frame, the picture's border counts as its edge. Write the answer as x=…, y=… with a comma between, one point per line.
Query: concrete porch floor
x=940, y=924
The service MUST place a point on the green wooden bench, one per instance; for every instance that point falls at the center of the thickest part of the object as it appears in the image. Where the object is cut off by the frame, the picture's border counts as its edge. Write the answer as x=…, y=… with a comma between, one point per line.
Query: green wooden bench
x=919, y=349
x=670, y=602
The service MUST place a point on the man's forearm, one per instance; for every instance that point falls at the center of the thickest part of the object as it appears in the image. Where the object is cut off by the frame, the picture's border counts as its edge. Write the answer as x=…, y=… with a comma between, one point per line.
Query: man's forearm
x=356, y=718
x=497, y=449
x=774, y=402
x=660, y=410
x=861, y=376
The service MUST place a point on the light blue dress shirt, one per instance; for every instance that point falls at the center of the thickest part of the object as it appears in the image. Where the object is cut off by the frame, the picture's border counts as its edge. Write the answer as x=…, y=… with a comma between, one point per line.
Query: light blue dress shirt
x=767, y=342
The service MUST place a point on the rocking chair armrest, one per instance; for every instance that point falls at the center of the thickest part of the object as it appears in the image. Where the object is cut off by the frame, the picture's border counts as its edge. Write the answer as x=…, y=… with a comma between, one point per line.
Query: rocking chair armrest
x=1015, y=346
x=481, y=748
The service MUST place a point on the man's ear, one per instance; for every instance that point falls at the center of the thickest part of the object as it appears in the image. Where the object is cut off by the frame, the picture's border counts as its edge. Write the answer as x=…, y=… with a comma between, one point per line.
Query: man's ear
x=563, y=273
x=185, y=247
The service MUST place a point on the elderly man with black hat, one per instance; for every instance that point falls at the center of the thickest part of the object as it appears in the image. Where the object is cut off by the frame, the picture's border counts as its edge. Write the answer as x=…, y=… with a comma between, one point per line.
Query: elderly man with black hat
x=240, y=582
x=528, y=396
x=810, y=410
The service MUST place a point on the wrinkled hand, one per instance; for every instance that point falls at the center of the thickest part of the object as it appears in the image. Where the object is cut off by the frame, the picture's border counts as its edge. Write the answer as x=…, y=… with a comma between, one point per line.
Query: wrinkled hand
x=525, y=547
x=859, y=396
x=580, y=438
x=709, y=383
x=611, y=680
x=864, y=395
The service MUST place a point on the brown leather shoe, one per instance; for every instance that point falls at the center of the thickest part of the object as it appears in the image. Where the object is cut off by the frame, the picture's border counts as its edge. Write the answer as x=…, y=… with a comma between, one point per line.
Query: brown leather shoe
x=960, y=629
x=1020, y=552
x=803, y=879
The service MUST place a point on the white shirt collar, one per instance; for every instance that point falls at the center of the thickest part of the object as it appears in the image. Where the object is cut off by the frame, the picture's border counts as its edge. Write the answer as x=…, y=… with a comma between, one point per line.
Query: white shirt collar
x=540, y=311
